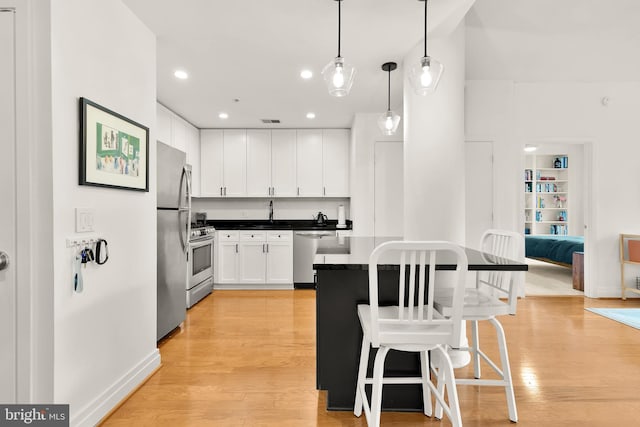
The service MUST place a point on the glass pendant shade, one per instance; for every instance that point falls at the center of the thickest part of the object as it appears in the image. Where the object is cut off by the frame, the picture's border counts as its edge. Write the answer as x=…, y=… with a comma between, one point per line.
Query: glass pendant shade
x=388, y=122
x=425, y=75
x=338, y=76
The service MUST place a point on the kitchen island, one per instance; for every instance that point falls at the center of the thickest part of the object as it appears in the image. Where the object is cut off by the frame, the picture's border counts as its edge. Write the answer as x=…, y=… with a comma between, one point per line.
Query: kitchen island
x=341, y=264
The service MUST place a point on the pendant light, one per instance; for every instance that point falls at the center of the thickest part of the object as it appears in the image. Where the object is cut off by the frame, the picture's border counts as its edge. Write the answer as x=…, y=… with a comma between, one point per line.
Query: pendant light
x=388, y=122
x=425, y=75
x=338, y=75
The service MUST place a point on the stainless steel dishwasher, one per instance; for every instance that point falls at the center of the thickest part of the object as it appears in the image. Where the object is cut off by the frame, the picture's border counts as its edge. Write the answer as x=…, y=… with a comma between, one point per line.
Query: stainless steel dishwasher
x=305, y=243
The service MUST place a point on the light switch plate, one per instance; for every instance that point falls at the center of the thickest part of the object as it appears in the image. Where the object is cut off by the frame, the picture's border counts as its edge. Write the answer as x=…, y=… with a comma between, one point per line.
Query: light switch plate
x=84, y=220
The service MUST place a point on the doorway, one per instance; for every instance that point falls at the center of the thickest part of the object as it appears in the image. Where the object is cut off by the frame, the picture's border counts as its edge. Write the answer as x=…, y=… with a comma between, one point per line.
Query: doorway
x=8, y=242
x=388, y=217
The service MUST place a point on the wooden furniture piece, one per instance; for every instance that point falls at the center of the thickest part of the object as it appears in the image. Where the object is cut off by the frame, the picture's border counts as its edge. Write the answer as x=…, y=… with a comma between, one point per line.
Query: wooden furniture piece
x=629, y=254
x=411, y=326
x=578, y=271
x=495, y=294
x=342, y=283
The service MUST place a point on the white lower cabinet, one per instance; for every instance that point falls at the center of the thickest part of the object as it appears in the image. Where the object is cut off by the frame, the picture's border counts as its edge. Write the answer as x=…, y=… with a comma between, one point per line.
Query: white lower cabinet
x=279, y=257
x=254, y=259
x=226, y=257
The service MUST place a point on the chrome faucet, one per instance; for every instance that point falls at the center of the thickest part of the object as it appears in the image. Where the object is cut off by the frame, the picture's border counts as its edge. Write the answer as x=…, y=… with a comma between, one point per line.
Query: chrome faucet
x=271, y=211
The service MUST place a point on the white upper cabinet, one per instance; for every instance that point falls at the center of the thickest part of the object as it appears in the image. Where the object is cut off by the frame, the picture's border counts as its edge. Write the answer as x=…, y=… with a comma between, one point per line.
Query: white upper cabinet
x=283, y=163
x=309, y=164
x=211, y=162
x=163, y=120
x=259, y=163
x=173, y=130
x=193, y=158
x=235, y=162
x=335, y=162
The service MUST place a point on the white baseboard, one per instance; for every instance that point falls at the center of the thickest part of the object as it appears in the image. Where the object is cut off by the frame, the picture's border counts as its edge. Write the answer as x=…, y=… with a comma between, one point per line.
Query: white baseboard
x=112, y=396
x=253, y=286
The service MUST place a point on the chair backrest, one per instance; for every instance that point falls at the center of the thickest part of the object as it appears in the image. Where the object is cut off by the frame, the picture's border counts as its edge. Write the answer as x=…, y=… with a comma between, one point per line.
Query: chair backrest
x=504, y=245
x=415, y=320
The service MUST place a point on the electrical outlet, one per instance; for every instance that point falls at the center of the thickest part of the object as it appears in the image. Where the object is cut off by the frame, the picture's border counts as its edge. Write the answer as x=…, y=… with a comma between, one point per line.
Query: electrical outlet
x=84, y=220
x=245, y=214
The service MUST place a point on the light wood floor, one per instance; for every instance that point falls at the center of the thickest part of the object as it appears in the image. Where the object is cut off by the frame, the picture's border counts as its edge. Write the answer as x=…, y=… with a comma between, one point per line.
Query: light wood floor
x=247, y=358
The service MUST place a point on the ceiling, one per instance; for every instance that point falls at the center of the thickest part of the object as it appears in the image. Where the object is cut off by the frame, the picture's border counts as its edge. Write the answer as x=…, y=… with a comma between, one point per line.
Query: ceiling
x=254, y=51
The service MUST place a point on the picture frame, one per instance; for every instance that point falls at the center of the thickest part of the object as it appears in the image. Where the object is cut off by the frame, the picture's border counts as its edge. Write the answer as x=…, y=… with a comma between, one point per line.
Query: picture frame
x=114, y=150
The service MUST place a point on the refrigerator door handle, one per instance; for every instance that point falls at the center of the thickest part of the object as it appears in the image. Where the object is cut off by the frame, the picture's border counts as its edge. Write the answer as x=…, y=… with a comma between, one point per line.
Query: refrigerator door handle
x=184, y=227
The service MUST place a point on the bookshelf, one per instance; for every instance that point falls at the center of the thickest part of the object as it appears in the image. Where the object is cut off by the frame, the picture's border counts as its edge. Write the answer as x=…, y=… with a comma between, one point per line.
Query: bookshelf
x=546, y=187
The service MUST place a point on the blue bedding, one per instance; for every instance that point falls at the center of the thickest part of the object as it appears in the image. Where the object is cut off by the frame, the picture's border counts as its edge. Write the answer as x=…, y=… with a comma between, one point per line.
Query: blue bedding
x=555, y=248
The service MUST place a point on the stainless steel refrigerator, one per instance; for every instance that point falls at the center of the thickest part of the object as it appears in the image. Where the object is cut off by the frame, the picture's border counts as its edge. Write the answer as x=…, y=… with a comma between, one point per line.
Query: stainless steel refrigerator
x=174, y=216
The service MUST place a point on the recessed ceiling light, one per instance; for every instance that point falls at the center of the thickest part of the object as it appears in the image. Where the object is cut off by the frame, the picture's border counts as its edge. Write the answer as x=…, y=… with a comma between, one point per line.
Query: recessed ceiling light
x=311, y=115
x=181, y=74
x=306, y=74
x=223, y=115
x=530, y=148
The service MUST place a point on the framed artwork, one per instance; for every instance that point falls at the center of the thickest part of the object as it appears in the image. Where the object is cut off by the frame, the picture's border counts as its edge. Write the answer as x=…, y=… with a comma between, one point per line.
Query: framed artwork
x=114, y=150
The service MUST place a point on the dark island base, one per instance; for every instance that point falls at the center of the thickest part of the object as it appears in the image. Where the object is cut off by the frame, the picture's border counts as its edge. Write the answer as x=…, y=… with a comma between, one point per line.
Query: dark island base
x=339, y=337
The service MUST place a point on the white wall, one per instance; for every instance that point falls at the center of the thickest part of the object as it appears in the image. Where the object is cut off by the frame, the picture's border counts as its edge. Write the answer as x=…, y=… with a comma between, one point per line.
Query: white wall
x=283, y=208
x=364, y=134
x=434, y=199
x=105, y=337
x=554, y=95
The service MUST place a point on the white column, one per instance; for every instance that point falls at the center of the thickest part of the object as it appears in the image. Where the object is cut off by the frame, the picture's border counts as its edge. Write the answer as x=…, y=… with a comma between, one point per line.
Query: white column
x=434, y=161
x=434, y=147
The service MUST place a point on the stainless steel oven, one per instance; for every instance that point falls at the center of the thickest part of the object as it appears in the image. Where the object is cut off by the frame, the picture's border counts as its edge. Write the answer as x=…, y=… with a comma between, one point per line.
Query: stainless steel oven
x=200, y=265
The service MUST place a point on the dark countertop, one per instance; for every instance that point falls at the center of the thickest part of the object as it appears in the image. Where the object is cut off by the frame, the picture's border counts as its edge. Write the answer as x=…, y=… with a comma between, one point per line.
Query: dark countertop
x=352, y=253
x=280, y=224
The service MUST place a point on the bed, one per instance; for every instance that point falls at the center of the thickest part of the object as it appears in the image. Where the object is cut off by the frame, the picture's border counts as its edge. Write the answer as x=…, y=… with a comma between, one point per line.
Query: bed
x=555, y=249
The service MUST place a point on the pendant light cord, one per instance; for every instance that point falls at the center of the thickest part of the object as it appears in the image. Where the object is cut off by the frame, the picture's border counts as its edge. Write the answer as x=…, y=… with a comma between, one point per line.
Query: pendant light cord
x=389, y=92
x=425, y=28
x=339, y=26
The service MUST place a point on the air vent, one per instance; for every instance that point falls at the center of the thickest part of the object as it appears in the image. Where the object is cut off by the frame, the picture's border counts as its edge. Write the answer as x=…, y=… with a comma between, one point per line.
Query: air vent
x=270, y=121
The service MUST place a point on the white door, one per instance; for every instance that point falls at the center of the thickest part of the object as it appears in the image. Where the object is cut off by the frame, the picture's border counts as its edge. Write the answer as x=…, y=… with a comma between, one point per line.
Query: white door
x=258, y=163
x=309, y=162
x=283, y=162
x=335, y=162
x=235, y=163
x=388, y=189
x=7, y=211
x=211, y=162
x=253, y=258
x=478, y=190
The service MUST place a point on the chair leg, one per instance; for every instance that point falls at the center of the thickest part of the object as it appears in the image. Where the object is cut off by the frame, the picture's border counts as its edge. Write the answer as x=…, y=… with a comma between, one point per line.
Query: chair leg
x=506, y=370
x=446, y=368
x=426, y=391
x=442, y=378
x=475, y=345
x=376, y=393
x=362, y=374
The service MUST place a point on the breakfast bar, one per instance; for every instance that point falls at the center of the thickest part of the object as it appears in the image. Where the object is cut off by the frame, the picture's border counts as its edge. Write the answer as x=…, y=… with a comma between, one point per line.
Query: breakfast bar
x=341, y=264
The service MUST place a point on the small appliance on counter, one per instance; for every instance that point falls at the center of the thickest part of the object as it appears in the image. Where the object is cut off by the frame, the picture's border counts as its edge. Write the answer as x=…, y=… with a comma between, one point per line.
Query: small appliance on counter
x=342, y=221
x=321, y=219
x=199, y=219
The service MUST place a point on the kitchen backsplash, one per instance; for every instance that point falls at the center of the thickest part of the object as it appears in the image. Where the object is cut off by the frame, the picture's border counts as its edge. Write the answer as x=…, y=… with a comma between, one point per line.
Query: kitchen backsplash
x=283, y=208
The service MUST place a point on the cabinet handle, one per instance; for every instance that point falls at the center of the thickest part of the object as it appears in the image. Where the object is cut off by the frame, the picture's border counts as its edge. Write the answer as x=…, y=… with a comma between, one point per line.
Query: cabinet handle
x=267, y=248
x=324, y=191
x=298, y=191
x=221, y=191
x=225, y=191
x=263, y=251
x=236, y=248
